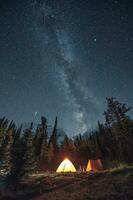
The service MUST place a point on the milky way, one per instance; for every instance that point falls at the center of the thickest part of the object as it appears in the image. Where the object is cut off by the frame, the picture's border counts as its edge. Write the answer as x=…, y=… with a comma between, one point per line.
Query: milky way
x=64, y=58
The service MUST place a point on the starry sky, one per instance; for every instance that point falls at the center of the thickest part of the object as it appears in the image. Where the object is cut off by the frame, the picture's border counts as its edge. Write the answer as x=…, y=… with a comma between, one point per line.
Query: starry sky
x=64, y=58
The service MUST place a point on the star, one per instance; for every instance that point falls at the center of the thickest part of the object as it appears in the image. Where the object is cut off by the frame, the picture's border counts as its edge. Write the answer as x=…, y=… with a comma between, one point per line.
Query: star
x=64, y=65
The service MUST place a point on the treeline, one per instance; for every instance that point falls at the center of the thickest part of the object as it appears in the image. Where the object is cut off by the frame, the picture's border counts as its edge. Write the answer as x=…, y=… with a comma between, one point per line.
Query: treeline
x=28, y=151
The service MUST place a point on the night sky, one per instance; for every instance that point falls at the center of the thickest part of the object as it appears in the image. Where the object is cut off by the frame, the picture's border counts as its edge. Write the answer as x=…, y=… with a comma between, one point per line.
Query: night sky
x=64, y=58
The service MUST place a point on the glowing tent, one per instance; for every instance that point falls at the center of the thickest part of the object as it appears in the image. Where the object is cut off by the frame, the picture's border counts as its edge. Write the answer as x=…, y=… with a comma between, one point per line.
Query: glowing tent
x=66, y=166
x=94, y=165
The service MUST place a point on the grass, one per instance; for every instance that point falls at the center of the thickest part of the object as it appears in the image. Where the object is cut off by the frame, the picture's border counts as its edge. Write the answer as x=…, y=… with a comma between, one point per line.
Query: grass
x=122, y=169
x=113, y=184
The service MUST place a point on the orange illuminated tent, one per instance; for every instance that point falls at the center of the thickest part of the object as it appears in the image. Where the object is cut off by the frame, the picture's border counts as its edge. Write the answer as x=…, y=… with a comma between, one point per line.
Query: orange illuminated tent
x=94, y=165
x=66, y=166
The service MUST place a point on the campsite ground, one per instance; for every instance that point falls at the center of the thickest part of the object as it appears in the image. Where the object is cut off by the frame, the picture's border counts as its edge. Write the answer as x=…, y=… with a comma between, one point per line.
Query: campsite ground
x=116, y=184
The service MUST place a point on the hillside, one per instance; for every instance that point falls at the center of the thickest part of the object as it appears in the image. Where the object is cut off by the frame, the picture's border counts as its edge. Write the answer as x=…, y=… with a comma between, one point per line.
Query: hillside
x=115, y=184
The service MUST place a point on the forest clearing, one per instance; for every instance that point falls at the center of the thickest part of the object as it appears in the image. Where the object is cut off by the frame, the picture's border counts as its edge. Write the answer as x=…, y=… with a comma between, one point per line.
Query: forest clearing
x=109, y=184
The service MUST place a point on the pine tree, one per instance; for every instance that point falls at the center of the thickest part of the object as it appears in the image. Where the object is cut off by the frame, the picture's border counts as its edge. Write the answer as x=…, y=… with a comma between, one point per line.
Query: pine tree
x=44, y=145
x=53, y=146
x=118, y=122
x=51, y=156
x=116, y=112
x=17, y=155
x=6, y=152
x=82, y=149
x=29, y=164
x=17, y=160
x=3, y=128
x=65, y=147
x=53, y=137
x=37, y=141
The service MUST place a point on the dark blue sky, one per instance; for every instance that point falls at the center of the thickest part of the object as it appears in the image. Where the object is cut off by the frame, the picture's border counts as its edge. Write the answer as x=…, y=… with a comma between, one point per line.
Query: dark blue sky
x=64, y=59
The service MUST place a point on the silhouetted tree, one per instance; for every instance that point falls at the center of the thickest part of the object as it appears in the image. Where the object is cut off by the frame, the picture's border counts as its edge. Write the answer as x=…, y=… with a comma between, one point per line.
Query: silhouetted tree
x=17, y=161
x=118, y=121
x=29, y=164
x=44, y=144
x=53, y=146
x=6, y=152
x=3, y=128
x=67, y=148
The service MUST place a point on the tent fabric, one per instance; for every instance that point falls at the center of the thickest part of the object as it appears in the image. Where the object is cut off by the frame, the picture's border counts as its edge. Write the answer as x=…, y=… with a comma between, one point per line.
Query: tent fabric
x=66, y=166
x=94, y=165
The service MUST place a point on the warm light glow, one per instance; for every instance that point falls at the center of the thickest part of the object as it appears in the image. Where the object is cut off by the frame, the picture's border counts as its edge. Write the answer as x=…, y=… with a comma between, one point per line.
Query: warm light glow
x=66, y=166
x=94, y=165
